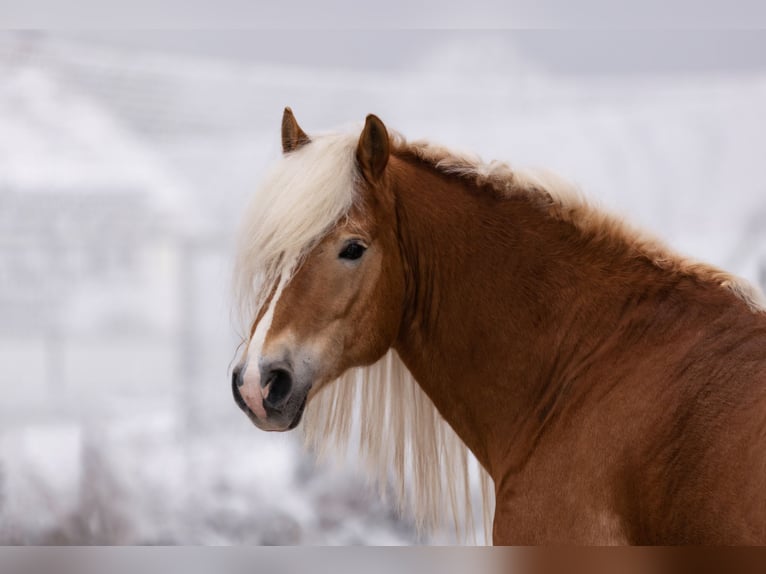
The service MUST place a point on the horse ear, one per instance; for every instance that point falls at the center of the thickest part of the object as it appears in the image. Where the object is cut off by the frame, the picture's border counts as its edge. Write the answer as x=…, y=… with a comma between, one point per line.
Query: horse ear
x=293, y=136
x=373, y=149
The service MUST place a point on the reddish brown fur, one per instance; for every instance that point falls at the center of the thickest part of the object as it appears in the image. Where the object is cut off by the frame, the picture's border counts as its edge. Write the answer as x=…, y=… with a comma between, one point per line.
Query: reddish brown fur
x=612, y=399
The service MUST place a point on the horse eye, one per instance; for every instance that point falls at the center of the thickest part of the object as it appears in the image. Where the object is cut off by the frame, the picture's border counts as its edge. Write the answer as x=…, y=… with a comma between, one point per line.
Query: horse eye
x=352, y=251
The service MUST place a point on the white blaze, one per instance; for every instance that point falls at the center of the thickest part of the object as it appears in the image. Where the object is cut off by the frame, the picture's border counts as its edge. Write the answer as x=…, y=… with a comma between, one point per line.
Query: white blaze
x=251, y=373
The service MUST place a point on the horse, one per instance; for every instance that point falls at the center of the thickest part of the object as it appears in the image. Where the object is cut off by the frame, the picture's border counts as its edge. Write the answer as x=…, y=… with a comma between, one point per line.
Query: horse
x=431, y=310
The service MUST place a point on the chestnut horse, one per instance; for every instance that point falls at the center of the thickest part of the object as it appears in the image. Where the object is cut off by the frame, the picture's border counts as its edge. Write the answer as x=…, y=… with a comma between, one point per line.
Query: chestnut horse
x=613, y=391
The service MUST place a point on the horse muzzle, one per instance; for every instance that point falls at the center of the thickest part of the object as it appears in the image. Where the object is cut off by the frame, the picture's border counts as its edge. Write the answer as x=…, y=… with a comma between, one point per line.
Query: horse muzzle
x=273, y=398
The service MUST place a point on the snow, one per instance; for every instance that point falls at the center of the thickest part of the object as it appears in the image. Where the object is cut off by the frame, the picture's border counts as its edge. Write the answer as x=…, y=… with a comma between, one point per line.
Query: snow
x=41, y=469
x=141, y=443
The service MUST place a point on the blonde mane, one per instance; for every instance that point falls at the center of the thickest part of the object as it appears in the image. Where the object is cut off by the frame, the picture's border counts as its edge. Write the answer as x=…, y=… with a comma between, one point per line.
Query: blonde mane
x=379, y=412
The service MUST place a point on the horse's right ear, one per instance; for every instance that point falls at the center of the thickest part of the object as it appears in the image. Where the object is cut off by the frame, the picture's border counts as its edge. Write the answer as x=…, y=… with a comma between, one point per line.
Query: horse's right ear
x=293, y=136
x=373, y=149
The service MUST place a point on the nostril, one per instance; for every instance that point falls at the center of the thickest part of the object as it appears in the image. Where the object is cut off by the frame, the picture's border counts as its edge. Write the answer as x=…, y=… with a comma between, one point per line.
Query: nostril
x=236, y=376
x=280, y=383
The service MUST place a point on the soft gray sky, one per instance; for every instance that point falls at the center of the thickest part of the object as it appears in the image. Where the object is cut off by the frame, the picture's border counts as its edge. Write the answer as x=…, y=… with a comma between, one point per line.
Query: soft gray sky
x=577, y=52
x=391, y=14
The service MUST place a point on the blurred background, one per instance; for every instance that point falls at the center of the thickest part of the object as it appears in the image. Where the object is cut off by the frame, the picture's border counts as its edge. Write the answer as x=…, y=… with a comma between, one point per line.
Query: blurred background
x=126, y=159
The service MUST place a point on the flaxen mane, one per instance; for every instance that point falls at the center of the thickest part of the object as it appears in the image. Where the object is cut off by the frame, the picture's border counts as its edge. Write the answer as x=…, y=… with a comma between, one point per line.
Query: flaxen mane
x=379, y=412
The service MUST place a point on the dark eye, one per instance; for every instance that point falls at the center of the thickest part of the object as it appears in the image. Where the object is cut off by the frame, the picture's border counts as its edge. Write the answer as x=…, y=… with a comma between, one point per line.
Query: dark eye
x=352, y=251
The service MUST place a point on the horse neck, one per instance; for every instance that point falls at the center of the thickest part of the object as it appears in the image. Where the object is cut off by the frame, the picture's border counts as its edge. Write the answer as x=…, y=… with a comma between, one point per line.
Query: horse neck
x=505, y=305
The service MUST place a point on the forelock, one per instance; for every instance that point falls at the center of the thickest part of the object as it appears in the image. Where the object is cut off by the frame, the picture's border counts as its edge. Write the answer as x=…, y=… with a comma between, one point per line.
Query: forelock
x=301, y=198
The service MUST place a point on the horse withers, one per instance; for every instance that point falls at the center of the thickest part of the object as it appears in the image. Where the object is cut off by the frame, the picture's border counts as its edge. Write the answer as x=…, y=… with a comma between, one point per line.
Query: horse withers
x=611, y=390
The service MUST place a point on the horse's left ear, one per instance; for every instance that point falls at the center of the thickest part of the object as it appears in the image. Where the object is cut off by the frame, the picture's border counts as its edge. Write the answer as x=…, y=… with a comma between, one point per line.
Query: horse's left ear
x=293, y=136
x=373, y=149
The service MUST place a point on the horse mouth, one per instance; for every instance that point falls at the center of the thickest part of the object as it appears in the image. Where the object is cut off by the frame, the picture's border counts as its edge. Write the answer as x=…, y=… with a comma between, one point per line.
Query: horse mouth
x=299, y=413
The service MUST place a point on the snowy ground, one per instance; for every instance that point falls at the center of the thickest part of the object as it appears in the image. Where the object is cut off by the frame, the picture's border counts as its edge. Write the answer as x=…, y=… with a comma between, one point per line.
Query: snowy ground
x=143, y=444
x=147, y=479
